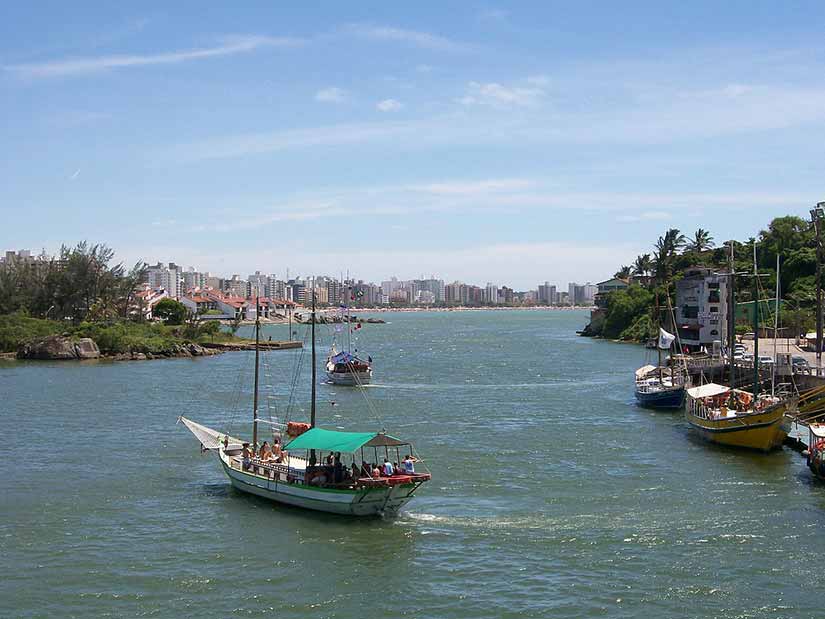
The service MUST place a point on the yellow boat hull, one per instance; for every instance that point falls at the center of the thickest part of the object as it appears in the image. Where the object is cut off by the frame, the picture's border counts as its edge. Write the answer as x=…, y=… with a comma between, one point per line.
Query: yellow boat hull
x=764, y=431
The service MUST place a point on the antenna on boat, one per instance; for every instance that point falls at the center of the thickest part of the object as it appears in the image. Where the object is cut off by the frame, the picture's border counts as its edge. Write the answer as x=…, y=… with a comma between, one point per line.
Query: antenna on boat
x=257, y=357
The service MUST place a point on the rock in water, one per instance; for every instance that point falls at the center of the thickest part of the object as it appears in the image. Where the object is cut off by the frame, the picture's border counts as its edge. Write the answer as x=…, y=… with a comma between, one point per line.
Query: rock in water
x=86, y=348
x=58, y=347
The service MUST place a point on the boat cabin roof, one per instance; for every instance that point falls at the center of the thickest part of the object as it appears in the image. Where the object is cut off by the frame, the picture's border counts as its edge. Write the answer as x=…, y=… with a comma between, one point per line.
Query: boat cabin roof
x=817, y=429
x=707, y=391
x=347, y=442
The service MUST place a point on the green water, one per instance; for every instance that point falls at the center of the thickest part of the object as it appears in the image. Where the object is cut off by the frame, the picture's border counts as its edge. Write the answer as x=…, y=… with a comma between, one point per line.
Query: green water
x=553, y=494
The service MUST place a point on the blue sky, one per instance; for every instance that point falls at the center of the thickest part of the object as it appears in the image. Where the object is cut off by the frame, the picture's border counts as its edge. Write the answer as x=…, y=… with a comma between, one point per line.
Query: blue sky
x=512, y=143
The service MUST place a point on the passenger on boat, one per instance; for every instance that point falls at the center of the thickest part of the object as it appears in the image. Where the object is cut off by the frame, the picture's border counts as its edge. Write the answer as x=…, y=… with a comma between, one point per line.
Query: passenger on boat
x=388, y=470
x=376, y=472
x=276, y=448
x=266, y=451
x=409, y=464
x=247, y=457
x=356, y=470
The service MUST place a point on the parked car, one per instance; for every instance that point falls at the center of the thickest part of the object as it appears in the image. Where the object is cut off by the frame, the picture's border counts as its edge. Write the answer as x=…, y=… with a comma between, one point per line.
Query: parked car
x=800, y=364
x=765, y=360
x=746, y=357
x=749, y=336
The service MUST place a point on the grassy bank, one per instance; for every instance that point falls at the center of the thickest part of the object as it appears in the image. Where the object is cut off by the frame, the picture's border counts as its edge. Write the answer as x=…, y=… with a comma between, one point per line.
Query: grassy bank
x=111, y=337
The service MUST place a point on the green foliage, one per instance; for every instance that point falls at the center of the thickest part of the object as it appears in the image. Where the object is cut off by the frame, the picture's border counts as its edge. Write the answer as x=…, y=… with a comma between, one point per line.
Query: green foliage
x=19, y=327
x=623, y=308
x=170, y=311
x=640, y=330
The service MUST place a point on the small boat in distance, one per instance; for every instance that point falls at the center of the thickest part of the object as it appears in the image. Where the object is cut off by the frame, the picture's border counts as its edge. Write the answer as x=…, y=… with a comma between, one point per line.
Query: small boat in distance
x=318, y=469
x=345, y=368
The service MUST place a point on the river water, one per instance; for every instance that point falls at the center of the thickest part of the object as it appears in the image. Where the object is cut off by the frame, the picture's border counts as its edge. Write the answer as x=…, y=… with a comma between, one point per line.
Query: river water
x=553, y=494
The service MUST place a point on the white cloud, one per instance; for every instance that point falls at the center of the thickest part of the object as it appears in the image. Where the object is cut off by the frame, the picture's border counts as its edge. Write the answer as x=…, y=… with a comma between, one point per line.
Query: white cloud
x=497, y=95
x=331, y=95
x=97, y=64
x=388, y=105
x=417, y=38
x=644, y=216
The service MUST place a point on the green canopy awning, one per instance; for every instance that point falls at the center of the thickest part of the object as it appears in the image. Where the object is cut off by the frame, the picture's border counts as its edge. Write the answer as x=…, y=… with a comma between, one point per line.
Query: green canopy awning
x=348, y=442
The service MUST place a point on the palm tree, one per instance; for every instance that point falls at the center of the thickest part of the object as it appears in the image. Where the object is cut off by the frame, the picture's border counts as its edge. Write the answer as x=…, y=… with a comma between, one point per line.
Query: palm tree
x=643, y=265
x=623, y=273
x=701, y=241
x=665, y=252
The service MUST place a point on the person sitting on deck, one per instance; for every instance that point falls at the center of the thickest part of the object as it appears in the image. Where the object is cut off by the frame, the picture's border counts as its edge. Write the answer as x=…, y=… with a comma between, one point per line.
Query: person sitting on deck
x=387, y=468
x=365, y=469
x=266, y=452
x=409, y=465
x=330, y=459
x=356, y=470
x=247, y=457
x=276, y=448
x=376, y=472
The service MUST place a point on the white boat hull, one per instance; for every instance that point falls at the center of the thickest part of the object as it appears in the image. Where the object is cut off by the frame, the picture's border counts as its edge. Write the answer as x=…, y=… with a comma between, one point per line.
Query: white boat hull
x=350, y=379
x=382, y=501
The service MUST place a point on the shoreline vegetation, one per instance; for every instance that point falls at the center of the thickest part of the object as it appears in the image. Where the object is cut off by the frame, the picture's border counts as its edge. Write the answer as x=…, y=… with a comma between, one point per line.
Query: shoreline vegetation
x=629, y=314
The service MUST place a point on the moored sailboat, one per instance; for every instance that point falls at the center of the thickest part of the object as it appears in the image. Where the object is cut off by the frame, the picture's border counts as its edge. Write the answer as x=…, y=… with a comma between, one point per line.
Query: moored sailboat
x=736, y=417
x=298, y=474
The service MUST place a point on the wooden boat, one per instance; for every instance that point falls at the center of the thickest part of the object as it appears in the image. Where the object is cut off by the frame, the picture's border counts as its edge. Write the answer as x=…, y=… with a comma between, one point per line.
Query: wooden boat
x=735, y=418
x=660, y=387
x=345, y=368
x=816, y=449
x=298, y=474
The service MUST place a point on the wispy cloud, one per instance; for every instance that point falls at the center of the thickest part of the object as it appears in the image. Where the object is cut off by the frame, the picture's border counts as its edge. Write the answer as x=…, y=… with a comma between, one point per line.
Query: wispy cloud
x=388, y=105
x=498, y=95
x=96, y=64
x=417, y=38
x=331, y=95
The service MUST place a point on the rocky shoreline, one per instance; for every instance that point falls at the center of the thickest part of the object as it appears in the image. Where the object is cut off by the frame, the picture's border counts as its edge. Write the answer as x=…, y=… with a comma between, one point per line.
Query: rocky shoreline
x=64, y=348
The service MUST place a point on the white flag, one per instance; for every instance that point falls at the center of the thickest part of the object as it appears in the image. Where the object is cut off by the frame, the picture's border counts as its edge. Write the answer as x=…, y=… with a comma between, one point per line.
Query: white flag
x=665, y=339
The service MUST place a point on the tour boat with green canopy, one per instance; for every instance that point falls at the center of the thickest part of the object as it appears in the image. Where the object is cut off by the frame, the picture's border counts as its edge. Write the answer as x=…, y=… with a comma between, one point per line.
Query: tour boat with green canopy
x=349, y=473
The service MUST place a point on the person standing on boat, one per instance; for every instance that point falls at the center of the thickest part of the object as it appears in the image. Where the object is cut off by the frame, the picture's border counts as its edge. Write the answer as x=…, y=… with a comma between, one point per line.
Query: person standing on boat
x=247, y=457
x=409, y=465
x=387, y=468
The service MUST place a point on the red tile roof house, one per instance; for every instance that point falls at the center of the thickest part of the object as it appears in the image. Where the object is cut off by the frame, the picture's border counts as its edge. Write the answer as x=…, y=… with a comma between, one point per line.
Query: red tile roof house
x=147, y=298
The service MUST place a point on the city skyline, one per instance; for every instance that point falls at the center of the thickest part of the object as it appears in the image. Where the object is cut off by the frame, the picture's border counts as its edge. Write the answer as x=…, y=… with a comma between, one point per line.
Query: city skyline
x=376, y=138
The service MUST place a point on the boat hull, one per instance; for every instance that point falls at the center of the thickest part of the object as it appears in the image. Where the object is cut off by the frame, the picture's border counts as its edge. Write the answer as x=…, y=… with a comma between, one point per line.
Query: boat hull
x=350, y=379
x=365, y=502
x=763, y=431
x=664, y=399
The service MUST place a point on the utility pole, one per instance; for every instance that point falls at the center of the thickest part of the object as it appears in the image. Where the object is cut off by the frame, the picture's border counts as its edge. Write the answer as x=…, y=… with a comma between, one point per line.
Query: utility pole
x=817, y=216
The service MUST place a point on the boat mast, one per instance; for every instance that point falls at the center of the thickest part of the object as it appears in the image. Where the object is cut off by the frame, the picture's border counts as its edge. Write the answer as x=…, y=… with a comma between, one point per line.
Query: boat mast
x=658, y=337
x=732, y=319
x=775, y=329
x=755, y=327
x=257, y=357
x=314, y=377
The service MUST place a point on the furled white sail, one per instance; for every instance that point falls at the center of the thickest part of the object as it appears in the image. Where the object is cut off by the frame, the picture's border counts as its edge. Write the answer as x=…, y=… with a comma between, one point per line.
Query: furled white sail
x=209, y=438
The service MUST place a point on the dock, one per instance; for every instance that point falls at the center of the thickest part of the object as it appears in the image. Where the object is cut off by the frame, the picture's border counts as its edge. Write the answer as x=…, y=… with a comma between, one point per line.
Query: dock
x=264, y=345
